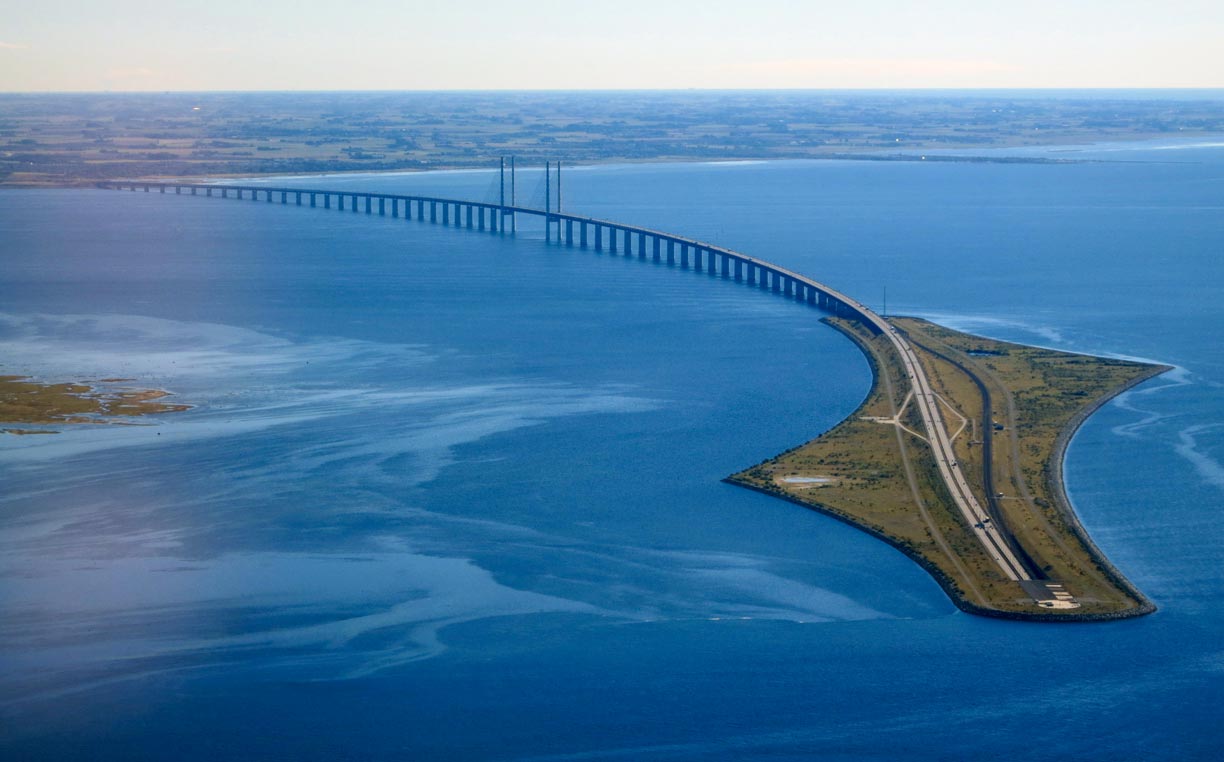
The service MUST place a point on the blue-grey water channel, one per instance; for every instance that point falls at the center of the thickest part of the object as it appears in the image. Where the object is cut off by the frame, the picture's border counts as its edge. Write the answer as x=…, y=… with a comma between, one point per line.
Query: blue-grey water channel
x=452, y=495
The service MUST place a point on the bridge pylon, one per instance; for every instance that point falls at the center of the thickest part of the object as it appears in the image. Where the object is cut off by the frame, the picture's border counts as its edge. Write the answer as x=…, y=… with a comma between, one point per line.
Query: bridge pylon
x=507, y=211
x=549, y=219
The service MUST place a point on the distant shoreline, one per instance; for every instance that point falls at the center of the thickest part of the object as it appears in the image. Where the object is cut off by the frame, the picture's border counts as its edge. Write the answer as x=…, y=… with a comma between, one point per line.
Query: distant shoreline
x=60, y=139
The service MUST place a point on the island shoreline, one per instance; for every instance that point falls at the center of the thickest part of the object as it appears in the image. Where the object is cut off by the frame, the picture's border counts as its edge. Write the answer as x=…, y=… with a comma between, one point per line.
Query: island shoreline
x=1057, y=485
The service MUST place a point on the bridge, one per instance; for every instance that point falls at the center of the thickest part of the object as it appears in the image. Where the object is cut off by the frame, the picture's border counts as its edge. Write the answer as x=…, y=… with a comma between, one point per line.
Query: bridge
x=644, y=243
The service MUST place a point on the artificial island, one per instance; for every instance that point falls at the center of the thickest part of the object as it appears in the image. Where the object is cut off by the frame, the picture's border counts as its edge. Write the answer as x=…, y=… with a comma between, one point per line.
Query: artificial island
x=970, y=487
x=954, y=457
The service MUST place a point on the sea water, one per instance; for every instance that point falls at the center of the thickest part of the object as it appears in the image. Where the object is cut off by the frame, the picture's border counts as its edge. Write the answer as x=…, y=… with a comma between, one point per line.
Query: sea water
x=450, y=494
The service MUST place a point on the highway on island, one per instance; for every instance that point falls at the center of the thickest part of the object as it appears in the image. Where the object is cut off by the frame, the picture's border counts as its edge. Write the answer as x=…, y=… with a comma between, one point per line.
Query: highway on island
x=1046, y=595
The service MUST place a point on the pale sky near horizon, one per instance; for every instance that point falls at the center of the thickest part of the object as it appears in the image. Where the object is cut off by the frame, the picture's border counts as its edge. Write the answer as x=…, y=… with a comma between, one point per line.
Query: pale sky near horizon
x=90, y=45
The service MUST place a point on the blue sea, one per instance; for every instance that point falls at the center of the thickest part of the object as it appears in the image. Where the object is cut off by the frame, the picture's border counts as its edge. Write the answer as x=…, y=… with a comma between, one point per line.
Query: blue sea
x=444, y=494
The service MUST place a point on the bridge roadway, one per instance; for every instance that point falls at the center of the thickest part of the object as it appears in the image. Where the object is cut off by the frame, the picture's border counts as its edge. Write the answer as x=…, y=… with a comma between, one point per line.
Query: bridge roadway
x=492, y=216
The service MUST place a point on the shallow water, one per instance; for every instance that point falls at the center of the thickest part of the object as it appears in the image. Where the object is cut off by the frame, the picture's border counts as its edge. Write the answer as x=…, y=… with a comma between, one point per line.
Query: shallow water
x=449, y=494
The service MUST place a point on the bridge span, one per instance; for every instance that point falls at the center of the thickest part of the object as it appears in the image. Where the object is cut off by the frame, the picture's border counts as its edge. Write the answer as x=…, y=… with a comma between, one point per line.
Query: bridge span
x=585, y=232
x=572, y=230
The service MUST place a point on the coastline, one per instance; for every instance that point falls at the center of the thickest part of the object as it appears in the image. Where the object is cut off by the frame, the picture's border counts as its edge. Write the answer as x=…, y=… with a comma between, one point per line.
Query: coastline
x=995, y=153
x=1058, y=487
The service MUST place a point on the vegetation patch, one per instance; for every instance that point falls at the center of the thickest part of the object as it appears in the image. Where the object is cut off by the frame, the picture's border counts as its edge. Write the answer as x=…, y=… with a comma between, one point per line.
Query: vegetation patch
x=25, y=401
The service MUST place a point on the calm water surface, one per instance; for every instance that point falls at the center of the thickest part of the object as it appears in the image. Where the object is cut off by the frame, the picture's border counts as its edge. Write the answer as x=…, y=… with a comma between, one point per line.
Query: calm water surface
x=454, y=495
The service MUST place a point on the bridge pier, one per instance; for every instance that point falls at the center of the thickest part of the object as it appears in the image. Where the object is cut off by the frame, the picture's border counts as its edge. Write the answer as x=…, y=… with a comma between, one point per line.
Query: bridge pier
x=715, y=262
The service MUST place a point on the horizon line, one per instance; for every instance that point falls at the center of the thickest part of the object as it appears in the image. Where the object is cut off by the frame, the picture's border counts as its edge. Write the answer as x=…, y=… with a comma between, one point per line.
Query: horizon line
x=1068, y=89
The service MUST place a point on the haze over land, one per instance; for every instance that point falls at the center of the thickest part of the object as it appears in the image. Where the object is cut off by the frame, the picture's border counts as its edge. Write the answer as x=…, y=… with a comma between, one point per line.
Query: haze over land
x=68, y=138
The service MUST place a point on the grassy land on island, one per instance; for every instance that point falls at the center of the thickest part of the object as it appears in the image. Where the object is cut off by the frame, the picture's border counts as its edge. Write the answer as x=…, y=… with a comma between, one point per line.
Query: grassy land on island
x=875, y=471
x=26, y=403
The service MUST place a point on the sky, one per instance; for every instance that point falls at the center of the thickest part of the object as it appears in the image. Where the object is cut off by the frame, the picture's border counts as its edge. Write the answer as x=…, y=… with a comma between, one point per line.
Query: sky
x=93, y=45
